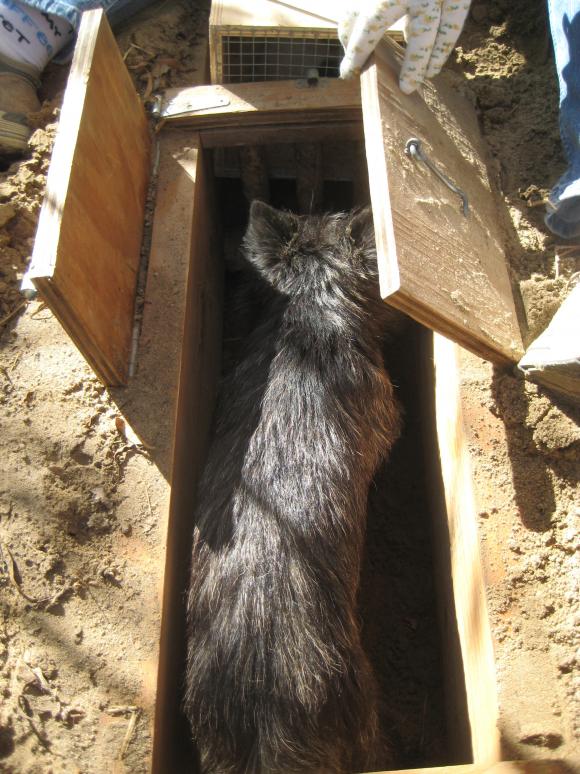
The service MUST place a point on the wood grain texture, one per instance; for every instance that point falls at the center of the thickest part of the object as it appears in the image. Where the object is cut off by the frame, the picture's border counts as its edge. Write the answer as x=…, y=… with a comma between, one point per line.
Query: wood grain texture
x=236, y=14
x=274, y=18
x=446, y=270
x=309, y=178
x=306, y=14
x=334, y=10
x=340, y=161
x=467, y=580
x=254, y=173
x=288, y=132
x=261, y=104
x=273, y=112
x=87, y=248
x=185, y=233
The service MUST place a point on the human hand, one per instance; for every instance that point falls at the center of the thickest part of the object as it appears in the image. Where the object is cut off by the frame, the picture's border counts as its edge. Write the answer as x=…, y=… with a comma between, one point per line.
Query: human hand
x=432, y=31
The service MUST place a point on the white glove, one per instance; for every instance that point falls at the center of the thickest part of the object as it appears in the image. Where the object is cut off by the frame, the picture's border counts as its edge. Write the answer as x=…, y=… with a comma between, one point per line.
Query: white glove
x=433, y=27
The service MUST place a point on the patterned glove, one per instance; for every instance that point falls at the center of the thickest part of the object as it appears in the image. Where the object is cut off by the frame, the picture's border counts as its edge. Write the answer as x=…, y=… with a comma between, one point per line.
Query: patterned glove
x=433, y=27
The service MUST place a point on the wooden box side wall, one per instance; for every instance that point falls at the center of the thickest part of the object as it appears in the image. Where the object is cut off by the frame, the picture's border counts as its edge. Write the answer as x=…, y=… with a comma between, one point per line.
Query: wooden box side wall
x=247, y=18
x=198, y=381
x=463, y=600
x=87, y=249
x=199, y=373
x=459, y=541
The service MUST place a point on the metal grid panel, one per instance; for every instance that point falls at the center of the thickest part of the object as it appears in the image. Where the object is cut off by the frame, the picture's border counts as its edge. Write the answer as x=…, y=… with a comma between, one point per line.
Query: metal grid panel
x=258, y=57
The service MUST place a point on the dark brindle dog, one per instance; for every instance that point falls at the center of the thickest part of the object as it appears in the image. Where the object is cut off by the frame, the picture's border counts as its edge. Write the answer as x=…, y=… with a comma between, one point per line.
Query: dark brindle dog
x=277, y=680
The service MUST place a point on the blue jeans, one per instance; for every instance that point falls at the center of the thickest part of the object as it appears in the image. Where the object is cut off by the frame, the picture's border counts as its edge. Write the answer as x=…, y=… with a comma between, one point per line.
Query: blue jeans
x=563, y=217
x=116, y=10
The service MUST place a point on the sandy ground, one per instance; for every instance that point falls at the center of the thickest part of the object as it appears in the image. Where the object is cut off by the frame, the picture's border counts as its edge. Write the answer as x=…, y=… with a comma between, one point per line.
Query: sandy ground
x=525, y=443
x=79, y=494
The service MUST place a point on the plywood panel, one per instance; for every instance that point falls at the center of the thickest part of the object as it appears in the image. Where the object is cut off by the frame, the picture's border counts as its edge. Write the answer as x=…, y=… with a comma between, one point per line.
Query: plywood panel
x=266, y=113
x=269, y=103
x=186, y=231
x=87, y=248
x=307, y=19
x=443, y=268
x=306, y=14
x=334, y=10
x=467, y=581
x=236, y=14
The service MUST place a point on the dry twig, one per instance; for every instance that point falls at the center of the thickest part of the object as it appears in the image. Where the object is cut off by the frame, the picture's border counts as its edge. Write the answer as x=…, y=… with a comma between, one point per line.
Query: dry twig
x=13, y=313
x=134, y=717
x=14, y=574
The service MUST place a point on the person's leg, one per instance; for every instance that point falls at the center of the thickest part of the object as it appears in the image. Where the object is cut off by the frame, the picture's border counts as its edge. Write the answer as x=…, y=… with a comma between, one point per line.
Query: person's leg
x=553, y=359
x=29, y=38
x=71, y=10
x=563, y=216
x=32, y=33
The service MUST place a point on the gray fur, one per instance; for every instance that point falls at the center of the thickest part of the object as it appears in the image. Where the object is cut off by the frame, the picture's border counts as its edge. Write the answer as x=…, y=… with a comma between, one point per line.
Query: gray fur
x=277, y=680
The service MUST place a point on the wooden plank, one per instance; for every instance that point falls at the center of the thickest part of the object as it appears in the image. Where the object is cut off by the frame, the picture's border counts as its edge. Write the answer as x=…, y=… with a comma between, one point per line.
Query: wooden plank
x=87, y=249
x=459, y=531
x=290, y=133
x=329, y=131
x=340, y=161
x=266, y=113
x=275, y=18
x=254, y=173
x=309, y=179
x=185, y=231
x=259, y=14
x=257, y=104
x=263, y=18
x=149, y=404
x=334, y=10
x=284, y=15
x=446, y=270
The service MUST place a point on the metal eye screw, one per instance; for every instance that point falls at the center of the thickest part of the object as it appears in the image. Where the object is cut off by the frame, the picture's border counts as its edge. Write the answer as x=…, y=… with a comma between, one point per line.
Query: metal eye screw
x=414, y=150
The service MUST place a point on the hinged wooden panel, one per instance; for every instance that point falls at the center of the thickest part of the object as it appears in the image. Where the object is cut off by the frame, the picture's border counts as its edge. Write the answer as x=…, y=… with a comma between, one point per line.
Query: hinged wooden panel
x=267, y=112
x=87, y=248
x=305, y=14
x=443, y=268
x=311, y=24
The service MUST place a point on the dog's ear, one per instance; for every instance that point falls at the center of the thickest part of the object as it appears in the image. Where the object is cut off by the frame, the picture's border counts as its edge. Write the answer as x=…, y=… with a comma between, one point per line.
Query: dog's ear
x=361, y=229
x=267, y=237
x=269, y=230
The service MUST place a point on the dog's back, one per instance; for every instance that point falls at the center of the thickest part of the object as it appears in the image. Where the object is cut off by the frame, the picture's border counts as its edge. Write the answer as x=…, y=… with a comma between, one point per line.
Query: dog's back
x=277, y=680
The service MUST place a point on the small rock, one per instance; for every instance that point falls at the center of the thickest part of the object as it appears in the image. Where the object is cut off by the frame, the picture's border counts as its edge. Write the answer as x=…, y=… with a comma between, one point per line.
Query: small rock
x=547, y=611
x=7, y=212
x=110, y=574
x=99, y=522
x=567, y=665
x=7, y=190
x=569, y=535
x=537, y=736
x=126, y=528
x=101, y=499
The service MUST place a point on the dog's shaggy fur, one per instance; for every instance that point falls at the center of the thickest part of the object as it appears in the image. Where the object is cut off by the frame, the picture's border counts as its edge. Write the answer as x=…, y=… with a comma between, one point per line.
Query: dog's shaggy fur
x=277, y=680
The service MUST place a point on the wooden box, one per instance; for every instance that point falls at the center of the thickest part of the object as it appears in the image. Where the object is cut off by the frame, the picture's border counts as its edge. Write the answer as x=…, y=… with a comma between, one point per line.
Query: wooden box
x=261, y=40
x=436, y=265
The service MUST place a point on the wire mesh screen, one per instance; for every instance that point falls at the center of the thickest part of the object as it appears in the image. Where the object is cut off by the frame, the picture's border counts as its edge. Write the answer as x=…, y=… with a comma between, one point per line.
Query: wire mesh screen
x=260, y=58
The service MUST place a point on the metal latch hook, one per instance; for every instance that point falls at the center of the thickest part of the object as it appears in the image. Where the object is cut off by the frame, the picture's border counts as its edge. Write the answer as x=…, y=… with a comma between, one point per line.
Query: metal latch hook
x=415, y=151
